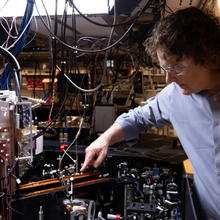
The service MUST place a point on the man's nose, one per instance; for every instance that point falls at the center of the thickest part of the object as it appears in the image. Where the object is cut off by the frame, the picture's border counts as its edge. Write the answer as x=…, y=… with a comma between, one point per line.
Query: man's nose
x=170, y=76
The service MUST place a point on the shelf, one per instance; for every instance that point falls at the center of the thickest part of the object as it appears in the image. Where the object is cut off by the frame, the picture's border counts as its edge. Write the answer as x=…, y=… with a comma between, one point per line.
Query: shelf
x=36, y=74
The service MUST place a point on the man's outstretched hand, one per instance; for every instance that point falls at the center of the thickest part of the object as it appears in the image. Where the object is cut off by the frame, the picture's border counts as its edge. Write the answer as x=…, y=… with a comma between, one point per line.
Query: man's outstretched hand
x=95, y=153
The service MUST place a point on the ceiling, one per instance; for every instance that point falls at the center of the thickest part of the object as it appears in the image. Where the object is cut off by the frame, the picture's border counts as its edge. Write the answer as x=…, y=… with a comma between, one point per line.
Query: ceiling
x=125, y=10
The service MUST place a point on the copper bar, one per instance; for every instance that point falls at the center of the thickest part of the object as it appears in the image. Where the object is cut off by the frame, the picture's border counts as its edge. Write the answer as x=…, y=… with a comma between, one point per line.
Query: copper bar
x=55, y=180
x=76, y=185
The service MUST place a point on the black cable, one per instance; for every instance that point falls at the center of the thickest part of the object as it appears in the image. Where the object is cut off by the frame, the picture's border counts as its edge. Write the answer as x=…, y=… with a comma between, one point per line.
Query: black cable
x=171, y=11
x=54, y=51
x=105, y=66
x=50, y=25
x=63, y=37
x=58, y=113
x=81, y=50
x=73, y=19
x=48, y=16
x=90, y=51
x=52, y=120
x=35, y=74
x=72, y=58
x=63, y=90
x=109, y=25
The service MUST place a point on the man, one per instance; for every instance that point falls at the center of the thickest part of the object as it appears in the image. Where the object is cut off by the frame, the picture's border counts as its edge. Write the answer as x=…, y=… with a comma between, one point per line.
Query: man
x=186, y=45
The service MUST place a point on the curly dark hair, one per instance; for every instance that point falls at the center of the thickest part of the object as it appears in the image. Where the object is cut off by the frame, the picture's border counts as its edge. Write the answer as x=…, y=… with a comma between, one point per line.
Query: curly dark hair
x=188, y=32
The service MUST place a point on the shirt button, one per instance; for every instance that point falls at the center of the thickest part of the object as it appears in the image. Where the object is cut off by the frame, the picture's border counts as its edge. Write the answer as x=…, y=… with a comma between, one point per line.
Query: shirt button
x=217, y=148
x=215, y=99
x=216, y=123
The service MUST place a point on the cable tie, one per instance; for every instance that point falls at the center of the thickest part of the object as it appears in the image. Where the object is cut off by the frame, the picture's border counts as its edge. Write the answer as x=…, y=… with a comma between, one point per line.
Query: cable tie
x=48, y=121
x=62, y=147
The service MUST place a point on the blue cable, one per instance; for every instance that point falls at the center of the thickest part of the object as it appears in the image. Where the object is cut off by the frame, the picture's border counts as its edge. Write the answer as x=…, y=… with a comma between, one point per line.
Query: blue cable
x=65, y=130
x=7, y=82
x=5, y=76
x=138, y=189
x=6, y=72
x=32, y=38
x=20, y=44
x=177, y=214
x=46, y=96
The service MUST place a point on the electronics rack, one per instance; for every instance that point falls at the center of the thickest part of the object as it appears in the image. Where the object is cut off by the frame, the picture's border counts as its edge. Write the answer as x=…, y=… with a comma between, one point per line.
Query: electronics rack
x=7, y=144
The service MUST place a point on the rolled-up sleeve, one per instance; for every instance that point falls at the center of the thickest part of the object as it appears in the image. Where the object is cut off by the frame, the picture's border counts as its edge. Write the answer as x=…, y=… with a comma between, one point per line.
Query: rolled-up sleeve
x=154, y=113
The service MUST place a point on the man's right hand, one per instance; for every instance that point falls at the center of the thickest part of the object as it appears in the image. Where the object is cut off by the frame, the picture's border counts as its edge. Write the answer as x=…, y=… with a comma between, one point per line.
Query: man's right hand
x=96, y=152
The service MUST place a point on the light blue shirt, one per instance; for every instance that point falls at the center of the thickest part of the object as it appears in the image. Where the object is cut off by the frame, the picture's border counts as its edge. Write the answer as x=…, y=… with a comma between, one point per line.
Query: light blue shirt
x=196, y=120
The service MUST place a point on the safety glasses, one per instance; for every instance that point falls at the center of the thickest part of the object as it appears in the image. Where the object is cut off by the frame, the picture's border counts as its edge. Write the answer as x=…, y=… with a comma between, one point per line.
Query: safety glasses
x=177, y=69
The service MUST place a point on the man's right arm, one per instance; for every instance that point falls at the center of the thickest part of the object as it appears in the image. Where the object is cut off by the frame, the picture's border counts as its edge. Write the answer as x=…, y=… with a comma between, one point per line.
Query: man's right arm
x=96, y=152
x=128, y=126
